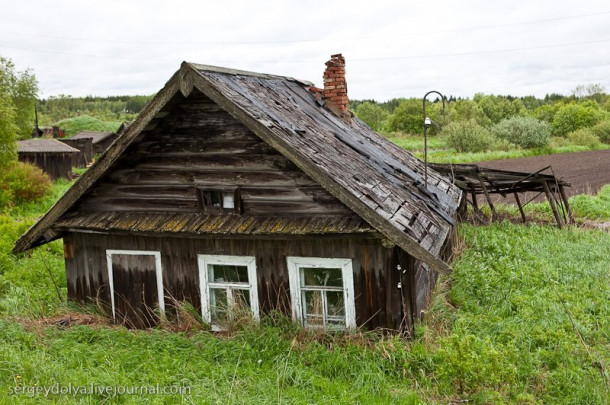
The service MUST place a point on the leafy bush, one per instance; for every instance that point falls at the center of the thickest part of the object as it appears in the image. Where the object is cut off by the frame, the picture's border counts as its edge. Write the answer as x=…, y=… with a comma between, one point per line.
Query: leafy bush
x=468, y=136
x=574, y=116
x=498, y=108
x=583, y=137
x=407, y=117
x=602, y=131
x=523, y=131
x=374, y=115
x=22, y=183
x=464, y=110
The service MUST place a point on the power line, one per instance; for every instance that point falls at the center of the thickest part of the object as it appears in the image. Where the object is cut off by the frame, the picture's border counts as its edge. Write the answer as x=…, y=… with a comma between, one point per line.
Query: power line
x=492, y=51
x=173, y=43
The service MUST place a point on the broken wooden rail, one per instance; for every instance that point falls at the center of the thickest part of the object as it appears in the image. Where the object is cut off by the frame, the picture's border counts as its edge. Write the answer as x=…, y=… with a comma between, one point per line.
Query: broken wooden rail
x=475, y=180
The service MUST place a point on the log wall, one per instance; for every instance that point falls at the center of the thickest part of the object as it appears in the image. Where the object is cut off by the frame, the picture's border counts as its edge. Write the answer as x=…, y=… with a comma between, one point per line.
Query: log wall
x=380, y=303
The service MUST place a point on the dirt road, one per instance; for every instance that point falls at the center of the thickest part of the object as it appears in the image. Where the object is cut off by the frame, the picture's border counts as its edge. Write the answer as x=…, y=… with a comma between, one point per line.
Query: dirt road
x=586, y=171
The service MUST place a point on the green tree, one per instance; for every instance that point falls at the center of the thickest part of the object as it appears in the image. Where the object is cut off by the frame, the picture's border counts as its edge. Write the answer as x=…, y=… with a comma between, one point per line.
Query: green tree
x=8, y=149
x=372, y=114
x=466, y=110
x=497, y=108
x=573, y=116
x=407, y=117
x=21, y=90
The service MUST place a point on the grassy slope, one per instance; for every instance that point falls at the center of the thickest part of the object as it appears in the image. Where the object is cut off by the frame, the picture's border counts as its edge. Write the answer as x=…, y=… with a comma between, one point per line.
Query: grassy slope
x=72, y=126
x=501, y=333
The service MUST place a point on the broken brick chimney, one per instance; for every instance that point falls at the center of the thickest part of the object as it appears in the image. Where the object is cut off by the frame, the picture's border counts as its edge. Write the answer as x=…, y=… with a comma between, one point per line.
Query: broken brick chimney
x=335, y=86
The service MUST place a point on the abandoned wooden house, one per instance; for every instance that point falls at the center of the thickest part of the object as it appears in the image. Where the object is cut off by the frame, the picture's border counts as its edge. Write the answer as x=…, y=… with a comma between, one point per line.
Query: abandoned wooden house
x=239, y=190
x=101, y=140
x=52, y=156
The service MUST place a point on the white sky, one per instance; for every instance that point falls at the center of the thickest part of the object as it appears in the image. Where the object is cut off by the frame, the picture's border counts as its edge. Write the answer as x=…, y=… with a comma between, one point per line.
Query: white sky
x=392, y=48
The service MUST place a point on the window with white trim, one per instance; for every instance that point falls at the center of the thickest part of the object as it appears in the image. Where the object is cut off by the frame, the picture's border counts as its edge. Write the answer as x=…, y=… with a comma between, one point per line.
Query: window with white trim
x=228, y=288
x=322, y=292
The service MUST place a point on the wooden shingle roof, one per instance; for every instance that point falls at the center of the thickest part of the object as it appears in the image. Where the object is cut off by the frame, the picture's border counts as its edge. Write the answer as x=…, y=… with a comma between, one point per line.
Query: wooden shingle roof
x=44, y=145
x=379, y=181
x=94, y=135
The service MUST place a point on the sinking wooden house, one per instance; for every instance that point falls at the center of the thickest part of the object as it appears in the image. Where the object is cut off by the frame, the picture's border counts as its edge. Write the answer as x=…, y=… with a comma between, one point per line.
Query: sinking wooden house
x=100, y=140
x=235, y=190
x=52, y=156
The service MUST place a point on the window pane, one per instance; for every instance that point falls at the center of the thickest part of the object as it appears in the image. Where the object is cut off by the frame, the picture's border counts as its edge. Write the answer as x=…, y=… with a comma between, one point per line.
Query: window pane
x=221, y=273
x=241, y=300
x=228, y=201
x=313, y=276
x=335, y=306
x=218, y=305
x=313, y=307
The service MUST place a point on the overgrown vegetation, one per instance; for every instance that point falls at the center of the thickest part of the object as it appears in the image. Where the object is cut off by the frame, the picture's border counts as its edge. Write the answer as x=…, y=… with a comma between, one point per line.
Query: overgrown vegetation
x=524, y=318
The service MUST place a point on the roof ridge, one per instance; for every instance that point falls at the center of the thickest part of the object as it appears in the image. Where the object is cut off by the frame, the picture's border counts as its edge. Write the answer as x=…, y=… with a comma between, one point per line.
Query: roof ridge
x=230, y=71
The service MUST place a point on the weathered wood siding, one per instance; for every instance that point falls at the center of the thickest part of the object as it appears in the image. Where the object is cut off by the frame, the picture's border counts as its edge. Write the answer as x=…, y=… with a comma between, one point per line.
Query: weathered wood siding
x=199, y=145
x=380, y=302
x=55, y=164
x=101, y=146
x=85, y=146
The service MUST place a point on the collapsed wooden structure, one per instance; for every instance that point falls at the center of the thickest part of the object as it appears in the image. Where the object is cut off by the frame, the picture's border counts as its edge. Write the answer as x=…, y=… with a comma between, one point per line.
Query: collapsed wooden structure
x=475, y=180
x=236, y=188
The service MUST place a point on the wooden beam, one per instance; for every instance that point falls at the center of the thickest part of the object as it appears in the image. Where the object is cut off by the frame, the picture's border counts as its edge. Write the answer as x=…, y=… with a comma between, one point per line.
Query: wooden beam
x=564, y=197
x=488, y=197
x=551, y=199
x=520, y=207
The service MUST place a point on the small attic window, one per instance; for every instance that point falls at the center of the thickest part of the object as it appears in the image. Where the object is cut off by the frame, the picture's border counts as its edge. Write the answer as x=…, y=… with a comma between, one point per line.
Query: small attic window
x=220, y=201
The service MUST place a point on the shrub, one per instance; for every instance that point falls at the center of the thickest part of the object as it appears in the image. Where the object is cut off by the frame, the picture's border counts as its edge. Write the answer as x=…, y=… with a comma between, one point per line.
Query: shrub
x=468, y=136
x=583, y=137
x=573, y=116
x=526, y=132
x=407, y=117
x=602, y=131
x=374, y=115
x=24, y=182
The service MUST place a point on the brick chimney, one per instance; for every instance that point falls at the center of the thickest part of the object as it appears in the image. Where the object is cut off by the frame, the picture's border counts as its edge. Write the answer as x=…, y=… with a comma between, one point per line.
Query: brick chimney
x=335, y=86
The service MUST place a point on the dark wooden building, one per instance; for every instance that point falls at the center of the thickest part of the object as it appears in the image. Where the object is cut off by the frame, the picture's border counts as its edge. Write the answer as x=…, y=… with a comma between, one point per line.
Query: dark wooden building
x=52, y=156
x=85, y=146
x=101, y=140
x=239, y=190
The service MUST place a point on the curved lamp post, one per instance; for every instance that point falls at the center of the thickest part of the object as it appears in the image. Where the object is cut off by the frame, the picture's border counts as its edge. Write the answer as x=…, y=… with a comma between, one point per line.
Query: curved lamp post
x=427, y=124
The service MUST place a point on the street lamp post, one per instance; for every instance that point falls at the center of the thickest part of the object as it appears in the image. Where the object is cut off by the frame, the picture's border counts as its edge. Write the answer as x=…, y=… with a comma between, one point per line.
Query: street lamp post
x=427, y=124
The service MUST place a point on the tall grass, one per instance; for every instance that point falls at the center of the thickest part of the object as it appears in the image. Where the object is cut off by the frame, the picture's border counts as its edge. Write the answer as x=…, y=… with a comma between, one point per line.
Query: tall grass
x=524, y=318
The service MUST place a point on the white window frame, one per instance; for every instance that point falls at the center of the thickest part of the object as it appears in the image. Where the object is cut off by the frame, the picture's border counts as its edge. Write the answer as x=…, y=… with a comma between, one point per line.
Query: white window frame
x=296, y=294
x=204, y=284
x=158, y=274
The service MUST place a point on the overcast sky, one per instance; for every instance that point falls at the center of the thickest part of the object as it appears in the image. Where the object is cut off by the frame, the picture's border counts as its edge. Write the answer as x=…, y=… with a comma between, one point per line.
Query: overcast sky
x=392, y=48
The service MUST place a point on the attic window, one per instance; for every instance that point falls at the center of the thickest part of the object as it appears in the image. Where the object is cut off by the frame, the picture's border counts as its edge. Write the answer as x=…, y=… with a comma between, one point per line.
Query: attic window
x=220, y=201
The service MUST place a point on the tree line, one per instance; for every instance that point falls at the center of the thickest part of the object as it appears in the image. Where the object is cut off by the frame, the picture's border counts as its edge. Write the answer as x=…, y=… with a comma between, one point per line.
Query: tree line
x=500, y=121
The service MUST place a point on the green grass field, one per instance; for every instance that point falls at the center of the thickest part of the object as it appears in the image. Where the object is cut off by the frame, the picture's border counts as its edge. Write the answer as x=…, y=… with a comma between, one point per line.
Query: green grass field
x=524, y=318
x=440, y=152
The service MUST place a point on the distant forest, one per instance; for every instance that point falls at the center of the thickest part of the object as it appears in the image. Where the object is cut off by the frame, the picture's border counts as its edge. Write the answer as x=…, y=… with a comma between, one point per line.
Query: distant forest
x=112, y=108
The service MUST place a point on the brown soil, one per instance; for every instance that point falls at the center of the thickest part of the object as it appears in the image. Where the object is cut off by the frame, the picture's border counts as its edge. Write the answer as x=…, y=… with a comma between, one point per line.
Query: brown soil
x=586, y=171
